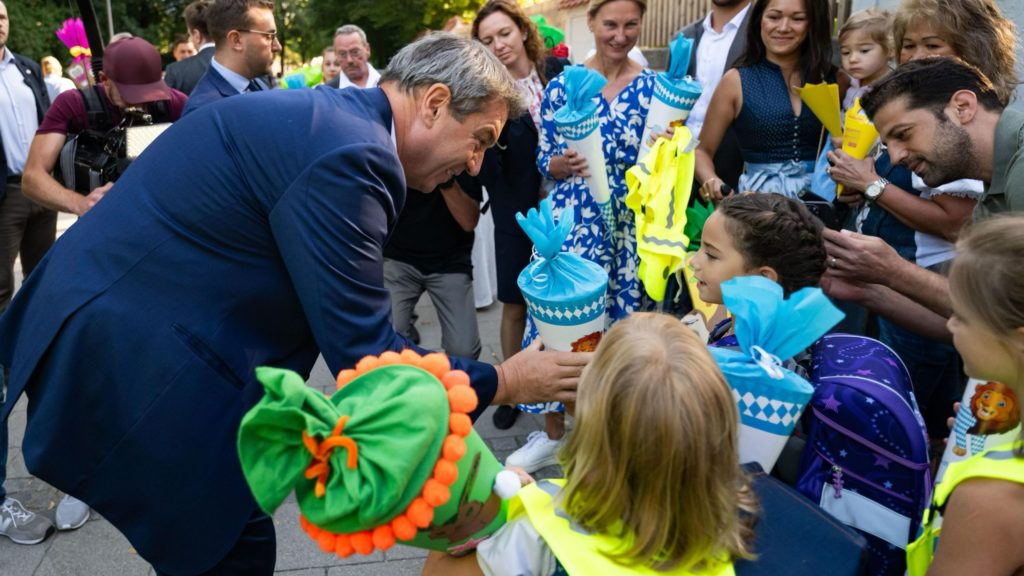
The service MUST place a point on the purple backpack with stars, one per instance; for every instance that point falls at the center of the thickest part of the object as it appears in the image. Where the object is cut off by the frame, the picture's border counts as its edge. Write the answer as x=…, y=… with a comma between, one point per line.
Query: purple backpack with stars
x=866, y=457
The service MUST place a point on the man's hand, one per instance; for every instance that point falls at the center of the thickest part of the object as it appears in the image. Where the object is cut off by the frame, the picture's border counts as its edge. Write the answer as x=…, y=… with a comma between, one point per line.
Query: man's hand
x=863, y=258
x=87, y=202
x=534, y=376
x=842, y=288
x=855, y=175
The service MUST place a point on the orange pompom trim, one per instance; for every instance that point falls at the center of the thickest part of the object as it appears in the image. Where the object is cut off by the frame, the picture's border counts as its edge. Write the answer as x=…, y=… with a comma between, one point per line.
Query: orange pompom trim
x=419, y=514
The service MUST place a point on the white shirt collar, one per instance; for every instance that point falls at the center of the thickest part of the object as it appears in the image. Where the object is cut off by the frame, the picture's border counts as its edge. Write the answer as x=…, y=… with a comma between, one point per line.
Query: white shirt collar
x=8, y=56
x=238, y=82
x=205, y=46
x=734, y=23
x=372, y=78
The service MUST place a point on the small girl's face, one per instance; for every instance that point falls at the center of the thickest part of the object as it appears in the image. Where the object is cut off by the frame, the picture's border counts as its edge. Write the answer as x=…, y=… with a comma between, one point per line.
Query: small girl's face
x=863, y=58
x=717, y=260
x=921, y=41
x=987, y=356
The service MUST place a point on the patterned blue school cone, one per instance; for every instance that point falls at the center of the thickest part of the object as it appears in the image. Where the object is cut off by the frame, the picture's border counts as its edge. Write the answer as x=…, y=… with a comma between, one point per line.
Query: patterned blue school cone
x=579, y=124
x=675, y=94
x=564, y=292
x=770, y=327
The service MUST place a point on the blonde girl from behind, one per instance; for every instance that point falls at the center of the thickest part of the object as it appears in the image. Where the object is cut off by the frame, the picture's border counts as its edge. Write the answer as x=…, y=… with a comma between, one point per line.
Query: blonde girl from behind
x=974, y=523
x=653, y=483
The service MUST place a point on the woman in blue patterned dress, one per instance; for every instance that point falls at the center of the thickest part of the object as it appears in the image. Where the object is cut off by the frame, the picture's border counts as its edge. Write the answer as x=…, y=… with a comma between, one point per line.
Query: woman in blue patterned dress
x=788, y=44
x=622, y=111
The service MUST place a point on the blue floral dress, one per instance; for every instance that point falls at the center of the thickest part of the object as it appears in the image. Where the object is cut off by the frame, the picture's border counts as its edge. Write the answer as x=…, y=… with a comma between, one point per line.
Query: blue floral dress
x=622, y=126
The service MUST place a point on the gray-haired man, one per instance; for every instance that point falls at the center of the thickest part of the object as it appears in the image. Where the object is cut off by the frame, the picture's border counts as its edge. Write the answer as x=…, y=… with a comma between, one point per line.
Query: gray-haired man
x=353, y=52
x=288, y=233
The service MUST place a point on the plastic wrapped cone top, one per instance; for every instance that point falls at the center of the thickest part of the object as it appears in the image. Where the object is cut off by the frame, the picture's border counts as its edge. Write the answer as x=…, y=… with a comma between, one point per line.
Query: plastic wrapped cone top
x=823, y=100
x=659, y=192
x=768, y=328
x=392, y=455
x=579, y=124
x=564, y=292
x=675, y=94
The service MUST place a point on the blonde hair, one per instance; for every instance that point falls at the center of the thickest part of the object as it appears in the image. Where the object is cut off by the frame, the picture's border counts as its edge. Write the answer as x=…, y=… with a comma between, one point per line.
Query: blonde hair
x=877, y=24
x=51, y=65
x=596, y=5
x=985, y=280
x=655, y=448
x=975, y=29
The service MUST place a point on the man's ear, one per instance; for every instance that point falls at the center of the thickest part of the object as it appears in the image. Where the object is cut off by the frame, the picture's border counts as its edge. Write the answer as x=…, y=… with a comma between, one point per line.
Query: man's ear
x=234, y=39
x=963, y=106
x=434, y=103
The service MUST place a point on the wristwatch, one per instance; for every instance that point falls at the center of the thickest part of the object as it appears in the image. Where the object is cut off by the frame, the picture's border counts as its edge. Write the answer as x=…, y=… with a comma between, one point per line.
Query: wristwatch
x=874, y=190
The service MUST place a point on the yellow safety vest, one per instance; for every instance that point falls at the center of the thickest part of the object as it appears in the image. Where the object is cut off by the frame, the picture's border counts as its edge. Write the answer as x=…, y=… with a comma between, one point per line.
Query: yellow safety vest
x=659, y=192
x=578, y=551
x=999, y=463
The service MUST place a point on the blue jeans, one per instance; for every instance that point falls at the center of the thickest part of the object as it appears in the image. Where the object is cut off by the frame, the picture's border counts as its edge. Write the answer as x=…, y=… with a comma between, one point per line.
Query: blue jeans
x=934, y=370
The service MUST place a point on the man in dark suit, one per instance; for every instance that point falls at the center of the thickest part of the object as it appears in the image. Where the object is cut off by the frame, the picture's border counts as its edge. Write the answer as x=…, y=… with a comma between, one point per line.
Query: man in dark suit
x=183, y=76
x=250, y=233
x=25, y=227
x=245, y=35
x=719, y=40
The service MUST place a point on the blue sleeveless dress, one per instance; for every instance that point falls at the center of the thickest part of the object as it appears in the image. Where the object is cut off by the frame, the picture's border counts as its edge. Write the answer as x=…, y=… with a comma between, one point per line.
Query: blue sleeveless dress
x=778, y=147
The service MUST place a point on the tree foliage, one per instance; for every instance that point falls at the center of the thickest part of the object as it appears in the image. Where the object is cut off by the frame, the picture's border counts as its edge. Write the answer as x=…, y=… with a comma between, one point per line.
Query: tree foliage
x=306, y=26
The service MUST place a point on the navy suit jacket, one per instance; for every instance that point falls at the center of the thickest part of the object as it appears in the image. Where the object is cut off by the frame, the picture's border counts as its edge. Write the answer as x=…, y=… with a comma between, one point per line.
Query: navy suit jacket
x=211, y=87
x=34, y=80
x=183, y=76
x=250, y=233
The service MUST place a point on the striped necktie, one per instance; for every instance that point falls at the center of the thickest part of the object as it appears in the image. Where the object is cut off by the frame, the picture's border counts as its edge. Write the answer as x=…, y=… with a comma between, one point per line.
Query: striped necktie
x=253, y=86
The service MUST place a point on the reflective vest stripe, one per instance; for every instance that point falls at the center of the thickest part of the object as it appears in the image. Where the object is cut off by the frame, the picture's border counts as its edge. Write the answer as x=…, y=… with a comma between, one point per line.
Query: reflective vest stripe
x=580, y=551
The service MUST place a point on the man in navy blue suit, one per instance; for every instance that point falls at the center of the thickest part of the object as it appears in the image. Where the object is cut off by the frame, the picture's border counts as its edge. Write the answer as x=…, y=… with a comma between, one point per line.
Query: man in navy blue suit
x=250, y=233
x=245, y=36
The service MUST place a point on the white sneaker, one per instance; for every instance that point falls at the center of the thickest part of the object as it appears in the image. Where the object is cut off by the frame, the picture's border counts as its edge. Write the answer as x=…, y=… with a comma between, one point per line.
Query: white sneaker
x=538, y=452
x=72, y=513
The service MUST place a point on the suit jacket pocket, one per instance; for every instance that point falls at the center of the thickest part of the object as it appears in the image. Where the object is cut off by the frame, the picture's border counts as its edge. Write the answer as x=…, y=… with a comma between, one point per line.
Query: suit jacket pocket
x=208, y=356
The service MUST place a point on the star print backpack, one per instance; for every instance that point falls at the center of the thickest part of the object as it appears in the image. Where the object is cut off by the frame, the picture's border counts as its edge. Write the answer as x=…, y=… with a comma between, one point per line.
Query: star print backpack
x=866, y=457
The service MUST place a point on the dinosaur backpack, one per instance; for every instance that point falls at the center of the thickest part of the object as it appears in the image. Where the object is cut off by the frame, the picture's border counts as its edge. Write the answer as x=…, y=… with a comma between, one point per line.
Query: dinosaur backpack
x=866, y=457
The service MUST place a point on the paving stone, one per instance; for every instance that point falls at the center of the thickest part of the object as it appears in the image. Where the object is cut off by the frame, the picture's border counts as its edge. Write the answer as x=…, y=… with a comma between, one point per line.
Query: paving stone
x=412, y=567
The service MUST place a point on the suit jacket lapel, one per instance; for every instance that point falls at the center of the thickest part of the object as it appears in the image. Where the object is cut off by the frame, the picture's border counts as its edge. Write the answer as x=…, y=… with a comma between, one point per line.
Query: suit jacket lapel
x=33, y=82
x=739, y=43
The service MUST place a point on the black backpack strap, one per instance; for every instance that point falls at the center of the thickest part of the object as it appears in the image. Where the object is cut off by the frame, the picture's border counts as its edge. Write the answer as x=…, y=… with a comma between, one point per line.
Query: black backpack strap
x=95, y=110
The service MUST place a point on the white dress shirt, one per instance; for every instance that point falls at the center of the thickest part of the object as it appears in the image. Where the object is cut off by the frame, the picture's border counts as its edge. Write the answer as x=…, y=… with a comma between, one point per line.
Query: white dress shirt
x=18, y=120
x=712, y=54
x=372, y=78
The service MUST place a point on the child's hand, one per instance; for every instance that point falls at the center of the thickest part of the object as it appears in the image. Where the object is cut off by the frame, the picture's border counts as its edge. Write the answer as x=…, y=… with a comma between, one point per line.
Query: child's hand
x=524, y=477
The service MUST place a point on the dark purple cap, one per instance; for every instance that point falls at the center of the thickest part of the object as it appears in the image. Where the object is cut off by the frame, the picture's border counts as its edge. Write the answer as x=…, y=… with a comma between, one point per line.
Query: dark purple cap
x=134, y=66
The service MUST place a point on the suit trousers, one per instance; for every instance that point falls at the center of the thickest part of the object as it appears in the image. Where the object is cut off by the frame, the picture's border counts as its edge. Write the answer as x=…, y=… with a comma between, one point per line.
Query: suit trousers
x=254, y=553
x=452, y=295
x=26, y=228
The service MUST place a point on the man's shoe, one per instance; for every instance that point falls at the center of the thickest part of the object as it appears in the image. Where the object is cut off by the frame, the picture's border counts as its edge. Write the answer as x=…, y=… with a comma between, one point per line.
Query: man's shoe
x=22, y=526
x=72, y=513
x=505, y=416
x=538, y=452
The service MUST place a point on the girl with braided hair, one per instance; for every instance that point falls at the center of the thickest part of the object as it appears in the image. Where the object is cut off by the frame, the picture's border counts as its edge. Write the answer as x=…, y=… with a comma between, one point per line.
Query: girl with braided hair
x=766, y=235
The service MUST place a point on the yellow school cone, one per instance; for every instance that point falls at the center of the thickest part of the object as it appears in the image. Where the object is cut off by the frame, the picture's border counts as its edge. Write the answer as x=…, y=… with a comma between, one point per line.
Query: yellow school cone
x=858, y=137
x=823, y=99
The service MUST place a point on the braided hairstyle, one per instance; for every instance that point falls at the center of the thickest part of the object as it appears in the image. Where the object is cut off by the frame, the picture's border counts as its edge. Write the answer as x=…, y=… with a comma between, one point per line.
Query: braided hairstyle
x=779, y=232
